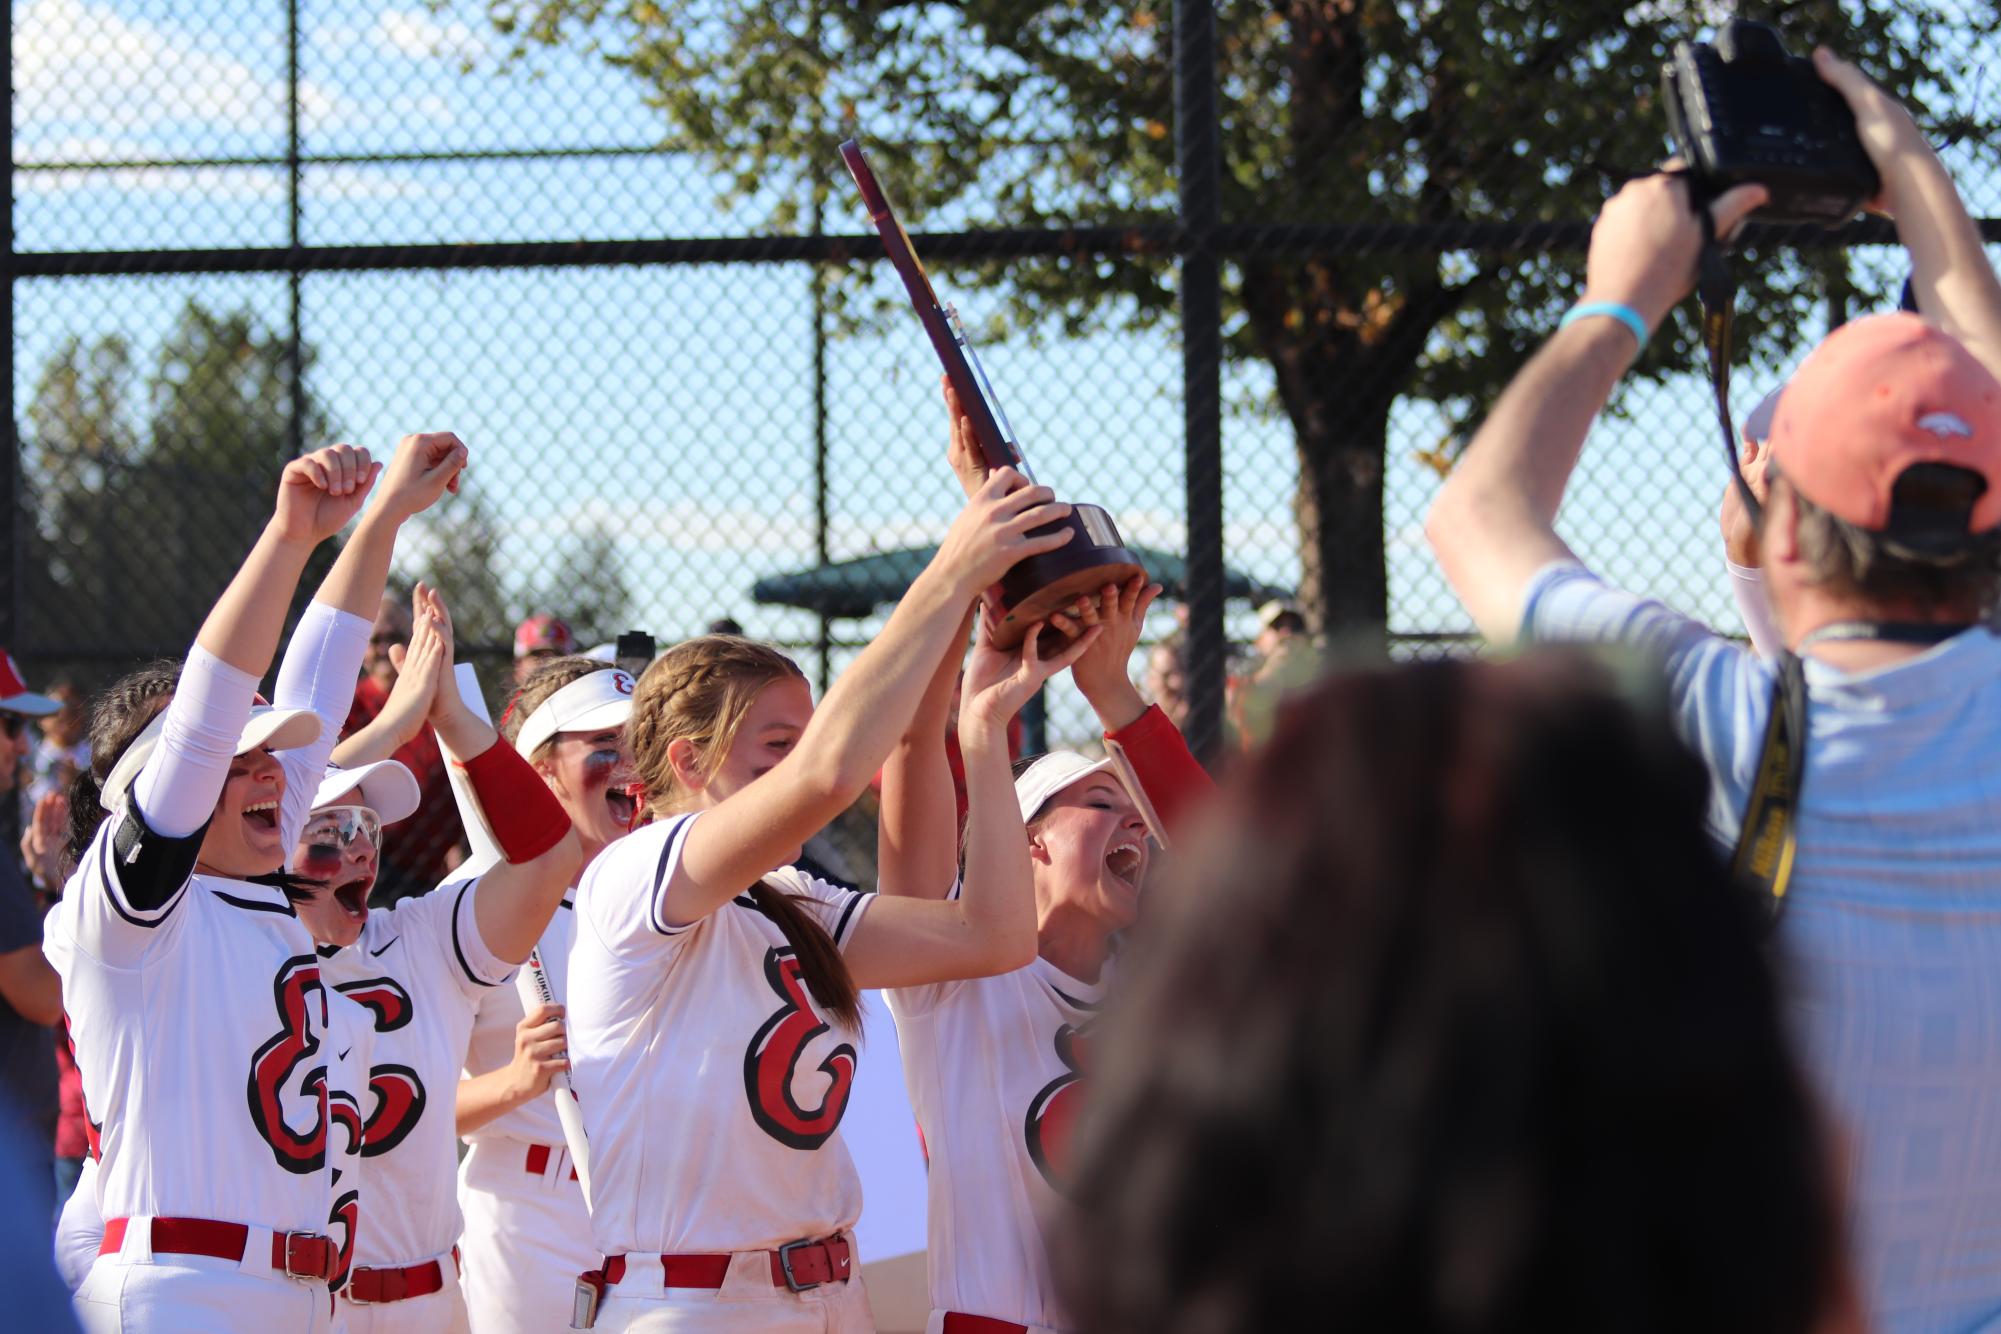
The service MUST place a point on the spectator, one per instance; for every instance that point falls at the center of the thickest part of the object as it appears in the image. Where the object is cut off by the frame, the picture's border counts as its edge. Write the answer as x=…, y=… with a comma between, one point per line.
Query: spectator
x=1167, y=677
x=1878, y=543
x=64, y=751
x=418, y=851
x=1392, y=1051
x=31, y=997
x=18, y=705
x=1286, y=660
x=538, y=639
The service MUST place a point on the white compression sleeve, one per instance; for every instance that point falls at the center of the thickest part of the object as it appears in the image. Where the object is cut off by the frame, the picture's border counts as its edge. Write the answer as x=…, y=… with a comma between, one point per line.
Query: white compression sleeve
x=1747, y=585
x=177, y=790
x=322, y=662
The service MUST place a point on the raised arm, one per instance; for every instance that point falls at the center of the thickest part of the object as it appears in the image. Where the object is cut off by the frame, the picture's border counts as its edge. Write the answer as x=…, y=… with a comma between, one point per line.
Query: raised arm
x=1493, y=525
x=990, y=927
x=177, y=790
x=425, y=663
x=917, y=829
x=1955, y=284
x=541, y=854
x=867, y=709
x=324, y=657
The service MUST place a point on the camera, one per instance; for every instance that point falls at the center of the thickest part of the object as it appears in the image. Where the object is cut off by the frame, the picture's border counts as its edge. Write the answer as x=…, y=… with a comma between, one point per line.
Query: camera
x=1744, y=111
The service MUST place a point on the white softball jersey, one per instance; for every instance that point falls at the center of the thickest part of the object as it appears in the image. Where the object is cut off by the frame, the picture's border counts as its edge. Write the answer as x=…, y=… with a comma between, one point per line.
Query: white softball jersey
x=492, y=1045
x=199, y=1027
x=712, y=1091
x=419, y=969
x=527, y=1233
x=993, y=1066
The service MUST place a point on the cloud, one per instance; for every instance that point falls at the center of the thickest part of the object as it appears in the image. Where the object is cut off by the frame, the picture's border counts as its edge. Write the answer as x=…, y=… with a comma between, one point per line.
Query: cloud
x=78, y=63
x=416, y=33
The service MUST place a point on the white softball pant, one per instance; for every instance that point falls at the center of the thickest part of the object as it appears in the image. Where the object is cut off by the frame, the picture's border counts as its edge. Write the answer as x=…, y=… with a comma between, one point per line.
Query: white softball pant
x=527, y=1236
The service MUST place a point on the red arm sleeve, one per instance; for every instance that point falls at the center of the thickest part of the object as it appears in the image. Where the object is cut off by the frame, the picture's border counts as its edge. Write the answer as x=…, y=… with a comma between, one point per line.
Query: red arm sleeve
x=527, y=819
x=1174, y=781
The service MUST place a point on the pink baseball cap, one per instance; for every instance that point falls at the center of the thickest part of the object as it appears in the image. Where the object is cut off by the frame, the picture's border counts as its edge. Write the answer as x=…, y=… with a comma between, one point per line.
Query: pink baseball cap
x=15, y=697
x=1878, y=396
x=544, y=633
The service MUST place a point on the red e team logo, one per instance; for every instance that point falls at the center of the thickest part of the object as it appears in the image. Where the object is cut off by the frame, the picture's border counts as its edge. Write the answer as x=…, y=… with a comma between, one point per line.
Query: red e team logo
x=1053, y=1112
x=773, y=1057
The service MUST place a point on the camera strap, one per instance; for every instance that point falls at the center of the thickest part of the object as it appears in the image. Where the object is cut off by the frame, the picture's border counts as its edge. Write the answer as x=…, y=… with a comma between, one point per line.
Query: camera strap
x=1768, y=837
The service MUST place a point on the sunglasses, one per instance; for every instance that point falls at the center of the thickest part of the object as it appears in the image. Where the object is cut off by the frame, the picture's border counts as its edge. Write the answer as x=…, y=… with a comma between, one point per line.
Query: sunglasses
x=329, y=836
x=12, y=724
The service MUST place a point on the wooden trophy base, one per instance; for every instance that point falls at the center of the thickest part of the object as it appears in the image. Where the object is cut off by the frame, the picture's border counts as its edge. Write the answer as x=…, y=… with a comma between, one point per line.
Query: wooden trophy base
x=1057, y=580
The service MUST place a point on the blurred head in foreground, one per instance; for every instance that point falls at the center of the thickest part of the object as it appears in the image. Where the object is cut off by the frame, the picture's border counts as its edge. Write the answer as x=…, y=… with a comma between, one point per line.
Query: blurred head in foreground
x=1455, y=1022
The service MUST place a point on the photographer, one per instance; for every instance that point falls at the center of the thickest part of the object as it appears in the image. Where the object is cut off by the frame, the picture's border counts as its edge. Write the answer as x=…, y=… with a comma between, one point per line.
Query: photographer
x=1878, y=542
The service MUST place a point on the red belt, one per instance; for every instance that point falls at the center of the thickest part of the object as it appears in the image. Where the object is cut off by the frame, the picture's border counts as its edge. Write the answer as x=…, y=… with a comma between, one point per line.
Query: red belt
x=366, y=1287
x=797, y=1265
x=959, y=1323
x=302, y=1255
x=537, y=1161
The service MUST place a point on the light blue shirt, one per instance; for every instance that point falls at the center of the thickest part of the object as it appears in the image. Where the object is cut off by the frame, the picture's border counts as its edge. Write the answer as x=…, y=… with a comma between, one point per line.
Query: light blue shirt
x=1890, y=941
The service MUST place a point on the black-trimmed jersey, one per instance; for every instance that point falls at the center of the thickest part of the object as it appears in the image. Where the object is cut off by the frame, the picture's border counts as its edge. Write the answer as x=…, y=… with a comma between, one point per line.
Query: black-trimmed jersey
x=199, y=1012
x=712, y=1091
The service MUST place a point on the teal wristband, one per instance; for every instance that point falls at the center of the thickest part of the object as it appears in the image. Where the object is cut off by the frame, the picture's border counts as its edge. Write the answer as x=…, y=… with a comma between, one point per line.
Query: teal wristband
x=1626, y=315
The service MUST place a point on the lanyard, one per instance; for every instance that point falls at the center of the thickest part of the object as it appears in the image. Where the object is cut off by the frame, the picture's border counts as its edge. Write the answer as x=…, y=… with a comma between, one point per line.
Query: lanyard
x=1769, y=837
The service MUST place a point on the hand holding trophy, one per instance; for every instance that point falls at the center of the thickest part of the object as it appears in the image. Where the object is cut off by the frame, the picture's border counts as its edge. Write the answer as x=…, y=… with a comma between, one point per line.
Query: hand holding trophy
x=1039, y=586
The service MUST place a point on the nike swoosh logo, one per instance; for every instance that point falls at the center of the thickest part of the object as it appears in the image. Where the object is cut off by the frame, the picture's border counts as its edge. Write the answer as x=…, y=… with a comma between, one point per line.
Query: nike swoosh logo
x=376, y=954
x=344, y=1054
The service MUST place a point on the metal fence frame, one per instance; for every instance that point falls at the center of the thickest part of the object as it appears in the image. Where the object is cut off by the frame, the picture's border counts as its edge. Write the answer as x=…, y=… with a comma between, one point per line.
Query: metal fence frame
x=1195, y=236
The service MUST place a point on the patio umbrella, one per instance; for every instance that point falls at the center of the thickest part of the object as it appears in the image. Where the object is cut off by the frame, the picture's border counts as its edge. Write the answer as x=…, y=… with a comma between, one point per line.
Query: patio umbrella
x=855, y=588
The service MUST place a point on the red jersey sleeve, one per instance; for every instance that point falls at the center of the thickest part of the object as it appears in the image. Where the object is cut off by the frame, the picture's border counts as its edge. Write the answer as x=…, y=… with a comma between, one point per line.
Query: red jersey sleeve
x=1174, y=781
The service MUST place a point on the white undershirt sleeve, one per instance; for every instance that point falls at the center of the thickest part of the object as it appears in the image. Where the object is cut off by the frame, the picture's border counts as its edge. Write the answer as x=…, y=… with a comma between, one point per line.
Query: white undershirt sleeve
x=322, y=662
x=1747, y=585
x=176, y=792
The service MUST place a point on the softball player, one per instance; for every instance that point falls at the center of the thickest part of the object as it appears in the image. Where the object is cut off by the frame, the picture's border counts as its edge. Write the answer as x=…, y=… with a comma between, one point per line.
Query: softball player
x=713, y=1002
x=995, y=1065
x=527, y=1230
x=420, y=967
x=188, y=979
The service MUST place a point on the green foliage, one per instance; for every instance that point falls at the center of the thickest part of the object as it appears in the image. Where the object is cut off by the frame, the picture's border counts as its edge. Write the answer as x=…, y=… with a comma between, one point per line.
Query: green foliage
x=147, y=493
x=455, y=547
x=587, y=588
x=1445, y=114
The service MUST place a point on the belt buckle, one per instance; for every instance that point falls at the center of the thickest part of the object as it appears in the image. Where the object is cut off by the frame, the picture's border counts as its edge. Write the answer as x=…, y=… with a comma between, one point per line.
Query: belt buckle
x=350, y=1294
x=785, y=1264
x=295, y=1244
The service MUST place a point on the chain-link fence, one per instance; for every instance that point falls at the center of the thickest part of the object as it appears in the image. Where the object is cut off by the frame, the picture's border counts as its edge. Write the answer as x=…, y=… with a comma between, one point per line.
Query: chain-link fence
x=614, y=249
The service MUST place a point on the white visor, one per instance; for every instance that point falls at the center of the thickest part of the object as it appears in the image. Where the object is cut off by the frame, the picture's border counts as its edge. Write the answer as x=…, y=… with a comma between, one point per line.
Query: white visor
x=385, y=787
x=1054, y=772
x=278, y=729
x=588, y=704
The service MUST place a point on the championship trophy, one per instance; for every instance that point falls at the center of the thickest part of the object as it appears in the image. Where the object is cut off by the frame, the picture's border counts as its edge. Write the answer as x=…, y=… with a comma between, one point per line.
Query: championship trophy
x=1038, y=586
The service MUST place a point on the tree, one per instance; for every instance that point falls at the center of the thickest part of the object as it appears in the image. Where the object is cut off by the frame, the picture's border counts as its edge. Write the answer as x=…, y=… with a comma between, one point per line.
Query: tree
x=1440, y=113
x=459, y=554
x=586, y=588
x=146, y=495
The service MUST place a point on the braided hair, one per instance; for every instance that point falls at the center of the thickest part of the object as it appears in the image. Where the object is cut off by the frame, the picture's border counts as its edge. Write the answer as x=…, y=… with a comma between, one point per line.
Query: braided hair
x=118, y=715
x=699, y=691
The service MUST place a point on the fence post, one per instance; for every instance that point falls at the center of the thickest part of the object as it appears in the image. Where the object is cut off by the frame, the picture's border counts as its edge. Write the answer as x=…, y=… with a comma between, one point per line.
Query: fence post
x=1198, y=161
x=295, y=345
x=12, y=515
